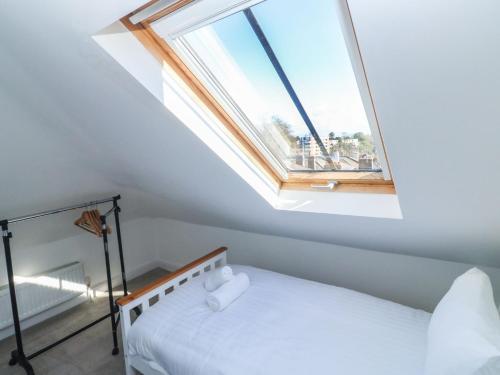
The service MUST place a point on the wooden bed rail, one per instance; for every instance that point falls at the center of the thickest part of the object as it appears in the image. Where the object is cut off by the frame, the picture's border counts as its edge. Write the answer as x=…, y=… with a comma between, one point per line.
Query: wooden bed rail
x=162, y=280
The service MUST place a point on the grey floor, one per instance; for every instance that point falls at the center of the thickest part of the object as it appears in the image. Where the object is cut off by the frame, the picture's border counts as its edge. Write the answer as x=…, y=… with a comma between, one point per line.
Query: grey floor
x=87, y=353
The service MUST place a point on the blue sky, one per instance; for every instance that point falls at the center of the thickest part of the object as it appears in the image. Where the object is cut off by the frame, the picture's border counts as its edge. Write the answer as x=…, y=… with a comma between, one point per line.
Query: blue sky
x=309, y=43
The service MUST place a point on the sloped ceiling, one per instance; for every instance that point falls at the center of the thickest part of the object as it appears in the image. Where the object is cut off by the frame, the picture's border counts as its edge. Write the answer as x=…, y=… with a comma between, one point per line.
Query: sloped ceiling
x=75, y=125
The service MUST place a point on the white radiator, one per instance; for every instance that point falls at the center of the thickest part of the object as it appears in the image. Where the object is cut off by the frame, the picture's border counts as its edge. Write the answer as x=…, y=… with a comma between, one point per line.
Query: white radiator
x=41, y=292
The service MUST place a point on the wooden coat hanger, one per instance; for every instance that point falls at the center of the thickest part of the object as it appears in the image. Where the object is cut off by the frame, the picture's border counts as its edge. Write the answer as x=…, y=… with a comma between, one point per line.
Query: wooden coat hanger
x=85, y=222
x=95, y=218
x=90, y=220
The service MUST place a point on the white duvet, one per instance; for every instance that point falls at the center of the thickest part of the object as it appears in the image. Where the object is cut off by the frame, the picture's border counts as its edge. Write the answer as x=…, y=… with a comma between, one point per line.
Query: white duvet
x=281, y=325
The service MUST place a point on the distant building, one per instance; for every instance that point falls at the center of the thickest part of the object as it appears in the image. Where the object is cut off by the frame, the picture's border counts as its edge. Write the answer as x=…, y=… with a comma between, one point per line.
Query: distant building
x=344, y=154
x=309, y=146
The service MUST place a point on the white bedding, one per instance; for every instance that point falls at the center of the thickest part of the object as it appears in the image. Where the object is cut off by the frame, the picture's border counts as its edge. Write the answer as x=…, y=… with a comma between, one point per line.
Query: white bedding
x=281, y=325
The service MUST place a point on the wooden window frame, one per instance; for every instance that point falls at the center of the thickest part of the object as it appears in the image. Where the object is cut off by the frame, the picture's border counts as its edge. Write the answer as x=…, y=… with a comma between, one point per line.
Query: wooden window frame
x=347, y=181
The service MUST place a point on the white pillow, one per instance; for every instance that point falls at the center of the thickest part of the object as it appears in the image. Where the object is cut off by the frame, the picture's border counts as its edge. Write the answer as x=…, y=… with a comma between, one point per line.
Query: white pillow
x=464, y=332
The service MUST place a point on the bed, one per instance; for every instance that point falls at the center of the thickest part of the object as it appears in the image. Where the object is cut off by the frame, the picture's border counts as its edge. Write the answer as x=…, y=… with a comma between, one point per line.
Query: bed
x=280, y=325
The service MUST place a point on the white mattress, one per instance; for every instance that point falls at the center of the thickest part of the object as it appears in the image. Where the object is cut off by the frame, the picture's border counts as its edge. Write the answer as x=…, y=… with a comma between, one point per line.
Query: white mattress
x=281, y=325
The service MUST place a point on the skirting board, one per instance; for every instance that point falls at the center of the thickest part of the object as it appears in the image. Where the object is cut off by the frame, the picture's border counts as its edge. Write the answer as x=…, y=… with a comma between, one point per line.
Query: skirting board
x=100, y=286
x=116, y=280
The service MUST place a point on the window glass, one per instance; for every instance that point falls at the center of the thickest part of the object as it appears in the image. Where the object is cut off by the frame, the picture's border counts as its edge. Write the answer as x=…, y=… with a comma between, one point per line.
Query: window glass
x=307, y=42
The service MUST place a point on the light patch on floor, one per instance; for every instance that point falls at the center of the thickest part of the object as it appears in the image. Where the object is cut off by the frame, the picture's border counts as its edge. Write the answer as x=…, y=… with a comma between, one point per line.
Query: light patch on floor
x=87, y=353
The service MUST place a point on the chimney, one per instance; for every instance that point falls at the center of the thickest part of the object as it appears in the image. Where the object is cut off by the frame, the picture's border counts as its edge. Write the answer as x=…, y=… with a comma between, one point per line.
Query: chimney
x=365, y=163
x=311, y=162
x=336, y=156
x=299, y=160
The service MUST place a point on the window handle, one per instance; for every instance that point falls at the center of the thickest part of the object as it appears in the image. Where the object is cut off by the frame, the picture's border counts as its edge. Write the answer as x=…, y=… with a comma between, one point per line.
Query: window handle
x=330, y=185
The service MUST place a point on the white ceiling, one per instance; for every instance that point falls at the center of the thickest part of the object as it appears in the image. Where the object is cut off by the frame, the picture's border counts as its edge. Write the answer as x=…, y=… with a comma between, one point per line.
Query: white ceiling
x=75, y=125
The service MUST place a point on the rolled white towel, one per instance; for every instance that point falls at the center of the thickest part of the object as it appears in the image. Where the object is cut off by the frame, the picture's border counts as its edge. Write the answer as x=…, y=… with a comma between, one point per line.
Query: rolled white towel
x=228, y=293
x=218, y=277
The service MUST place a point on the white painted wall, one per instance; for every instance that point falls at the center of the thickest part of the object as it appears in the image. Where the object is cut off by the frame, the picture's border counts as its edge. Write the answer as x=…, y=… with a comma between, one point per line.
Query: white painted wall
x=413, y=281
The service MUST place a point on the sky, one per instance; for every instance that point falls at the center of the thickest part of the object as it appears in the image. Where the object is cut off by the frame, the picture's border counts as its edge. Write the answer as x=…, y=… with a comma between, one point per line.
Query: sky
x=309, y=44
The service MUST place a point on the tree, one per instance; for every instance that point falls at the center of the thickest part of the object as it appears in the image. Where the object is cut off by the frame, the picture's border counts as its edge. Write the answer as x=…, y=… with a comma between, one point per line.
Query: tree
x=285, y=129
x=365, y=143
x=359, y=136
x=331, y=136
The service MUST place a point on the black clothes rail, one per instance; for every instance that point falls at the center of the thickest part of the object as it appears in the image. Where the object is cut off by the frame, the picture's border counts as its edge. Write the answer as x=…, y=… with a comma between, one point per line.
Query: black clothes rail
x=18, y=356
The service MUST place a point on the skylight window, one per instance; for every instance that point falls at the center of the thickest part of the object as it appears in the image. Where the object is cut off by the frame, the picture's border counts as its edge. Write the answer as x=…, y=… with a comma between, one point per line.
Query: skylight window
x=284, y=71
x=289, y=77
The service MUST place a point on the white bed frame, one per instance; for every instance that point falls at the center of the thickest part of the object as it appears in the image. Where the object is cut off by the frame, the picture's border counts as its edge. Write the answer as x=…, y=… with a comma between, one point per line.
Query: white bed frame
x=146, y=297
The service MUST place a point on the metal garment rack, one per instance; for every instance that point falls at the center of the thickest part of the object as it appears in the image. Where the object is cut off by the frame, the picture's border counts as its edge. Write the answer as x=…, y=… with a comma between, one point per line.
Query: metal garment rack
x=18, y=356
